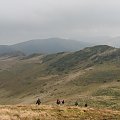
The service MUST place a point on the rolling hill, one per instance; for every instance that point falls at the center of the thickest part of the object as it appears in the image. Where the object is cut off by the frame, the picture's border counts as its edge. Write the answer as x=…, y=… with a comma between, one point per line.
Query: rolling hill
x=6, y=50
x=49, y=46
x=44, y=46
x=91, y=75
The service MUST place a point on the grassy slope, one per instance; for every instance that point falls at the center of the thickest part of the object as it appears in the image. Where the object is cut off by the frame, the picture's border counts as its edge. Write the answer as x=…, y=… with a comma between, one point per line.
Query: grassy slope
x=44, y=112
x=25, y=80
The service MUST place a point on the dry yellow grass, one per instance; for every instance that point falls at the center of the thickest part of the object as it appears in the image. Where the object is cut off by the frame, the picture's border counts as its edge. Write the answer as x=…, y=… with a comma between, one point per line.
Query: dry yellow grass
x=47, y=112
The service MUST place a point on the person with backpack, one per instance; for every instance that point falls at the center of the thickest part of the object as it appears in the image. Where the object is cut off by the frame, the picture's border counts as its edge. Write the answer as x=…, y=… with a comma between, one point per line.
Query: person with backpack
x=58, y=102
x=76, y=103
x=63, y=102
x=38, y=101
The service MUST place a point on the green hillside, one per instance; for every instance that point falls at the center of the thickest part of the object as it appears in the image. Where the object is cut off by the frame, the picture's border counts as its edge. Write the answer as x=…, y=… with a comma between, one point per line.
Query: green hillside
x=91, y=75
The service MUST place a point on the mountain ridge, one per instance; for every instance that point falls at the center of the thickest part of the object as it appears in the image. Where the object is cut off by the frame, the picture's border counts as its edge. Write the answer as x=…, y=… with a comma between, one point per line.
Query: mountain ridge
x=46, y=46
x=50, y=45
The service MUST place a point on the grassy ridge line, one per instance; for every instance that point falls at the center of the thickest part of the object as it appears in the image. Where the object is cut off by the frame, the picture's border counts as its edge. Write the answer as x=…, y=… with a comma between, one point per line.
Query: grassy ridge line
x=45, y=112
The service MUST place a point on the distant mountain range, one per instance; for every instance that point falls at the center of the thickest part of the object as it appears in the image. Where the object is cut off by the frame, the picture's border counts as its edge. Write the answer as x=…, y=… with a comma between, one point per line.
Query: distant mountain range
x=6, y=50
x=45, y=46
x=53, y=45
x=102, y=40
x=115, y=42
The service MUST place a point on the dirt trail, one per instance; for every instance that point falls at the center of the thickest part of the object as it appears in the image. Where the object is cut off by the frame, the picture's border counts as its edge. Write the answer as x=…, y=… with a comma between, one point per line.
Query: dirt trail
x=69, y=77
x=73, y=76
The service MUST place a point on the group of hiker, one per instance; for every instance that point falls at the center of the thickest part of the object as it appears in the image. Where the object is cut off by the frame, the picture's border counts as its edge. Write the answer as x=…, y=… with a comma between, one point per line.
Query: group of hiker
x=58, y=102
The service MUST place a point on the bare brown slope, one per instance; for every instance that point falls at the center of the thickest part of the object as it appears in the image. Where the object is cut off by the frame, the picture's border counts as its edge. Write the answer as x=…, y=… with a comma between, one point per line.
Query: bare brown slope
x=24, y=80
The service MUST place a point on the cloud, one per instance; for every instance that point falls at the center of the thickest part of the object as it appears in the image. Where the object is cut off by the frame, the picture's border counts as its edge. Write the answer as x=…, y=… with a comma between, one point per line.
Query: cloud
x=21, y=20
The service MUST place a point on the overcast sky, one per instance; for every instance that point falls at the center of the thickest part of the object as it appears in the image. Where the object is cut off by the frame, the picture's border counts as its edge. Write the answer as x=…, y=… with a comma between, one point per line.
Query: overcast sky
x=22, y=20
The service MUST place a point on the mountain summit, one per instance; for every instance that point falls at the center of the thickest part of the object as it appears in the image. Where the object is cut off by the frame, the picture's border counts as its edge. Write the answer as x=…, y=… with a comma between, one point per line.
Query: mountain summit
x=50, y=45
x=45, y=46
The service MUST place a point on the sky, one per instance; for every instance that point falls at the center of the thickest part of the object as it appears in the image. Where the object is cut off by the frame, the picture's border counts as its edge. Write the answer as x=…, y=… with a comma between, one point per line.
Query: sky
x=22, y=20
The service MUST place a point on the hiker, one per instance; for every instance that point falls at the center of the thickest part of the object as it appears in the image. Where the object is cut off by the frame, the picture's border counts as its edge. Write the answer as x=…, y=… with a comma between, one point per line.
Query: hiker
x=76, y=103
x=58, y=102
x=63, y=101
x=38, y=101
x=85, y=104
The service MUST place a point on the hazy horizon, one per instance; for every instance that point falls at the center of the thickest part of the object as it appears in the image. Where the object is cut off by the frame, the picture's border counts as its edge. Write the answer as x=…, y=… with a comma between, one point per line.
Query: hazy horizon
x=84, y=20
